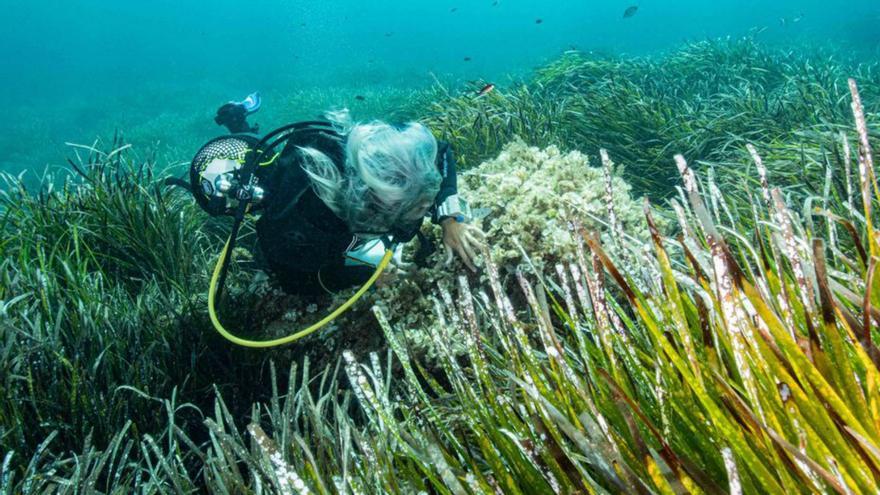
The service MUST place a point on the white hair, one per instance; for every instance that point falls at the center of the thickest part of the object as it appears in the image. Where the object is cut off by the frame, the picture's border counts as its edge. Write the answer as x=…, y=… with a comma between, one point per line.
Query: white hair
x=389, y=172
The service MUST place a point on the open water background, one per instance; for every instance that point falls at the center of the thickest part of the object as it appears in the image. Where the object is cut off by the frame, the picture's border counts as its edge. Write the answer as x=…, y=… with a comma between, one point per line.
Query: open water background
x=79, y=71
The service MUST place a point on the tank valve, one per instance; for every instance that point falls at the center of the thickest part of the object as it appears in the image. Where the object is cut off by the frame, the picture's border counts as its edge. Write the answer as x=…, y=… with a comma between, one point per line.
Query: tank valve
x=222, y=185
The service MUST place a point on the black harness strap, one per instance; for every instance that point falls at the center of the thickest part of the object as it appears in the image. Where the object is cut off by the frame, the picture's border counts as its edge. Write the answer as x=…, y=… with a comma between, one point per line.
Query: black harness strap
x=280, y=135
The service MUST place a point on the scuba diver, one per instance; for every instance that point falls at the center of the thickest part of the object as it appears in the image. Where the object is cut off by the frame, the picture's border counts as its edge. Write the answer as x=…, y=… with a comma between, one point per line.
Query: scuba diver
x=332, y=195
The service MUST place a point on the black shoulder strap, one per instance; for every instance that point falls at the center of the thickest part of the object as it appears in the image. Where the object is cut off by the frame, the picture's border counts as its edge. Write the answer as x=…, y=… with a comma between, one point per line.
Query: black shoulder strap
x=282, y=134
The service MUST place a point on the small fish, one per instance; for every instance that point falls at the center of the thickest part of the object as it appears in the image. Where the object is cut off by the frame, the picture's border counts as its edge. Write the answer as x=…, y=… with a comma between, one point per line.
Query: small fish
x=797, y=19
x=302, y=24
x=782, y=21
x=467, y=59
x=495, y=3
x=539, y=21
x=488, y=88
x=453, y=9
x=630, y=11
x=387, y=35
x=359, y=97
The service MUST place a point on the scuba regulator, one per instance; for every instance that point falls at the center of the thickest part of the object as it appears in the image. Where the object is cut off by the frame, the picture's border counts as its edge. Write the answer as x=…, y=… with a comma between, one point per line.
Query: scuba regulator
x=223, y=182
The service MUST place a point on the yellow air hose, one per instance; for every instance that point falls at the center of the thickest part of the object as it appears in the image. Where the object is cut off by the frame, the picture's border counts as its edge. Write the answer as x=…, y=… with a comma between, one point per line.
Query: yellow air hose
x=259, y=344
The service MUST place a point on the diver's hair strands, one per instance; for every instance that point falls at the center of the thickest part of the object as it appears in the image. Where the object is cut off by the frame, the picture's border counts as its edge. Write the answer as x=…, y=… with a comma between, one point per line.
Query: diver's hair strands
x=324, y=175
x=388, y=172
x=340, y=119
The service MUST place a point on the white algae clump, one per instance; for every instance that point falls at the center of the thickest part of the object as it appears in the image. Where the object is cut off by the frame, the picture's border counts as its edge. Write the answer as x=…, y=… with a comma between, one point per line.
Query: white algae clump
x=527, y=192
x=522, y=196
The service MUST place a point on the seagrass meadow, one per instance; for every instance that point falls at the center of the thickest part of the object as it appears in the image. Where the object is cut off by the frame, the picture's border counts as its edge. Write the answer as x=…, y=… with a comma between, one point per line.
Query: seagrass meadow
x=702, y=317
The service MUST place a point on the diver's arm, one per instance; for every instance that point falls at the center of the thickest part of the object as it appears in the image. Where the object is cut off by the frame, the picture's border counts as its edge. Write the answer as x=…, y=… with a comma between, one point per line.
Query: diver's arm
x=404, y=234
x=449, y=185
x=459, y=237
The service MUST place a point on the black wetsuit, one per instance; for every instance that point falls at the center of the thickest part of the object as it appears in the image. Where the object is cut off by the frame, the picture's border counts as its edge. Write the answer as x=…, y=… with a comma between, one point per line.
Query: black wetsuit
x=301, y=240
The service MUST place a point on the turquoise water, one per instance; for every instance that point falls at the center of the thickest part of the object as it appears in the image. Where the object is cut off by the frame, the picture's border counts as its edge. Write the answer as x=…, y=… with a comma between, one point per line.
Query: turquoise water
x=77, y=71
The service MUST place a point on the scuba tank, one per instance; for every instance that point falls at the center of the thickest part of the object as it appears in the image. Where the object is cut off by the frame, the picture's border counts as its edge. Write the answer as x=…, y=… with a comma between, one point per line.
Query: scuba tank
x=216, y=175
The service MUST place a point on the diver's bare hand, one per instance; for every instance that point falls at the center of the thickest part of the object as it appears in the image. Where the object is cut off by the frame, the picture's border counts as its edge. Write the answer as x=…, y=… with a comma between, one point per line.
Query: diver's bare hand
x=463, y=239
